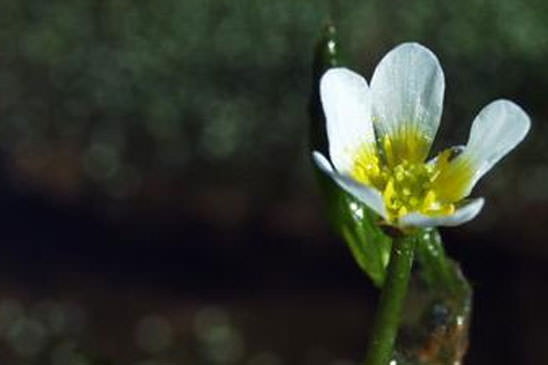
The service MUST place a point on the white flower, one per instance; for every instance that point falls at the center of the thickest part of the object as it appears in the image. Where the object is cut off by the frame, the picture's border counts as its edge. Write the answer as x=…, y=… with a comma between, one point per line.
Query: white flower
x=380, y=137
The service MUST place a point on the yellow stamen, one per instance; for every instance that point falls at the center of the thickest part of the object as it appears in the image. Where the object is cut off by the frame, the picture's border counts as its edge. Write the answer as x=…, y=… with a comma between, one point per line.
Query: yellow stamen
x=408, y=185
x=367, y=166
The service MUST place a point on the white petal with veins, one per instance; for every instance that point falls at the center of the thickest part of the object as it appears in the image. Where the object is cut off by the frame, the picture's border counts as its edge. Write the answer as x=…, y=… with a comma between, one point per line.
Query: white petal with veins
x=346, y=102
x=498, y=129
x=407, y=90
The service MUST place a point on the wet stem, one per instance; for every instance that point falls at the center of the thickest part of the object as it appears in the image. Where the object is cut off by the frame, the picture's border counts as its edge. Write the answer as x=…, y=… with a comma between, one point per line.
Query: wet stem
x=387, y=319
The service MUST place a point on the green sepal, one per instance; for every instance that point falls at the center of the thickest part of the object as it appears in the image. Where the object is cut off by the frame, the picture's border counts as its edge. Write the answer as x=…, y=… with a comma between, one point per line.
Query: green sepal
x=358, y=226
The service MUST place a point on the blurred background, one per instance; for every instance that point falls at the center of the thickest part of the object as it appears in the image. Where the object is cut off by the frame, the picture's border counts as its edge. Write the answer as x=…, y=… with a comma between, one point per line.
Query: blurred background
x=158, y=202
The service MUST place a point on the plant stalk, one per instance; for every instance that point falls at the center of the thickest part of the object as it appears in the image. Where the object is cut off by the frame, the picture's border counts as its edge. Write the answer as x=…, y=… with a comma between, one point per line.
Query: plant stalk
x=387, y=319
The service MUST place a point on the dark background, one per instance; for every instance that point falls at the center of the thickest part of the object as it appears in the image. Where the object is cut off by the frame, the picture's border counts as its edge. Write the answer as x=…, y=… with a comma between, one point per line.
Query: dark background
x=159, y=206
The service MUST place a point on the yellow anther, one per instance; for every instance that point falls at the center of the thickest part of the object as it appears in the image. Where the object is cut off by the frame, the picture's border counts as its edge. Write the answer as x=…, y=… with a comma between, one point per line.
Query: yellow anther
x=429, y=199
x=389, y=192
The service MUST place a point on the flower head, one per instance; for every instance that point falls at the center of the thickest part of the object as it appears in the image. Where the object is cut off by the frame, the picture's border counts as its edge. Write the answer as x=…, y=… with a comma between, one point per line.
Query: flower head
x=380, y=138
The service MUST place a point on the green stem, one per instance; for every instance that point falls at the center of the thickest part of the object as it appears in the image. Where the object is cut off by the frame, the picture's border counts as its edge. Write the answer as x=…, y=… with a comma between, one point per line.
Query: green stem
x=387, y=319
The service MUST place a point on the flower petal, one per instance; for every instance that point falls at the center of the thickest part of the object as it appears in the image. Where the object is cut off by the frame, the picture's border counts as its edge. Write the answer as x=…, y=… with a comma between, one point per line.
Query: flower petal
x=463, y=214
x=497, y=129
x=407, y=91
x=369, y=196
x=346, y=103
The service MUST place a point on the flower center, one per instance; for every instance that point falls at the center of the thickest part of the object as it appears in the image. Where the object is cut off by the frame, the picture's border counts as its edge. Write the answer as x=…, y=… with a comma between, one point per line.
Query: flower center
x=406, y=186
